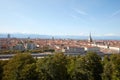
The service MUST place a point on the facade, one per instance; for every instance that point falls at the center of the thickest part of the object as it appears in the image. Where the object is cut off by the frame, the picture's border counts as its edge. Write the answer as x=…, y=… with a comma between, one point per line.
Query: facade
x=93, y=49
x=19, y=47
x=73, y=50
x=31, y=46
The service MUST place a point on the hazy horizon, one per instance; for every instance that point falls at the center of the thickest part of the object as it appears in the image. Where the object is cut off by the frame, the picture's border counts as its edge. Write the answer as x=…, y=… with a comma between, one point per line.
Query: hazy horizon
x=77, y=37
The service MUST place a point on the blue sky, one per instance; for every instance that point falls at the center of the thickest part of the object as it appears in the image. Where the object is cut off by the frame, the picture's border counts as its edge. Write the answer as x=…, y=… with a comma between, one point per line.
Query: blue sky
x=60, y=17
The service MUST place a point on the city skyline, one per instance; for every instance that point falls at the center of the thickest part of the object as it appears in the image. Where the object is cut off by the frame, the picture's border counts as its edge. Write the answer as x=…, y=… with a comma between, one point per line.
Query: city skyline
x=60, y=17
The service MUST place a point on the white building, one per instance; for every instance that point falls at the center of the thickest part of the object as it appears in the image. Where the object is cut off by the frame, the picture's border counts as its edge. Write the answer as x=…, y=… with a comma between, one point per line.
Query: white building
x=93, y=49
x=73, y=50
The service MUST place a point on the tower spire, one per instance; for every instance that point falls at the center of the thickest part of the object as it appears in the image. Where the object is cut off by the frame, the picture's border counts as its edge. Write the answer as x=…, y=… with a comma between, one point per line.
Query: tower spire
x=90, y=38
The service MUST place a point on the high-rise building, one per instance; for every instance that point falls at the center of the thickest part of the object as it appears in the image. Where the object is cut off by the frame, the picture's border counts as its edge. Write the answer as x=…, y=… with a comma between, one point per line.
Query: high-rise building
x=8, y=36
x=0, y=44
x=8, y=41
x=53, y=41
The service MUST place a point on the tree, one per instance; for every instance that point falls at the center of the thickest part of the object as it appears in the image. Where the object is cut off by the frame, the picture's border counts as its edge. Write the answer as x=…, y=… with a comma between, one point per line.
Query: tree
x=71, y=66
x=115, y=60
x=18, y=65
x=93, y=65
x=42, y=69
x=107, y=68
x=53, y=67
x=108, y=71
x=2, y=64
x=80, y=71
x=106, y=59
x=112, y=68
x=29, y=72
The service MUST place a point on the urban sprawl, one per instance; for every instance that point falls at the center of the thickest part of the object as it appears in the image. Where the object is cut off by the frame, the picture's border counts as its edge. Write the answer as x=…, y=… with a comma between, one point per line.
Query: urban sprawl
x=68, y=46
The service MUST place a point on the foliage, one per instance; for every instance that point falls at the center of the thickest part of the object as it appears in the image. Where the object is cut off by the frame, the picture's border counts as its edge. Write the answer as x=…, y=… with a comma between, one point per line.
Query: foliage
x=53, y=67
x=61, y=67
x=112, y=68
x=108, y=70
x=115, y=60
x=2, y=64
x=87, y=67
x=29, y=72
x=80, y=71
x=94, y=65
x=16, y=66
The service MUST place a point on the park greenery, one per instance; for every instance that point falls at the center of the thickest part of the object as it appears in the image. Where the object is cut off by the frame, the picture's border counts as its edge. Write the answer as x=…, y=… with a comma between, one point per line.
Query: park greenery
x=61, y=67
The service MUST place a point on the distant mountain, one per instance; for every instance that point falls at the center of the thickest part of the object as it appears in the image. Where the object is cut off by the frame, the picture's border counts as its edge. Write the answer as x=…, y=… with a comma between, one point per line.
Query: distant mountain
x=59, y=37
x=107, y=37
x=25, y=36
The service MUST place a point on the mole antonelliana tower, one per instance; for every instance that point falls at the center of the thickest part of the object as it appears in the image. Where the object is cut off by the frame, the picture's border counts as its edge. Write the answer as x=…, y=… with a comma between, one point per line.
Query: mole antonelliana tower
x=90, y=39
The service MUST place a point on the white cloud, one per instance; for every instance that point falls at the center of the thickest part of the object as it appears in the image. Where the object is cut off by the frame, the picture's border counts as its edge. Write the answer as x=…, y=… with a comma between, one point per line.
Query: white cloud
x=80, y=12
x=73, y=16
x=115, y=13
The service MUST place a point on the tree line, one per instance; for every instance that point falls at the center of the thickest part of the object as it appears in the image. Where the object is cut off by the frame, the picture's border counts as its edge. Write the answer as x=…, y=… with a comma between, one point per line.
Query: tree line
x=61, y=67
